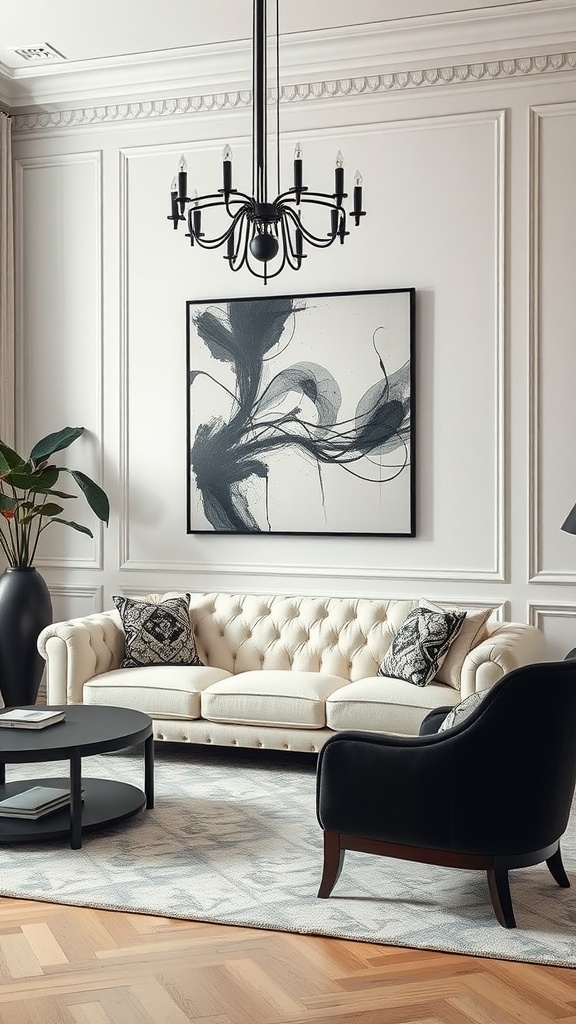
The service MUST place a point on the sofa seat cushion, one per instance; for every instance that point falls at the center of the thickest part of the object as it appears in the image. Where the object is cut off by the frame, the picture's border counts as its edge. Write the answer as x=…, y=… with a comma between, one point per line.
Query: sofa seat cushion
x=385, y=704
x=275, y=697
x=157, y=690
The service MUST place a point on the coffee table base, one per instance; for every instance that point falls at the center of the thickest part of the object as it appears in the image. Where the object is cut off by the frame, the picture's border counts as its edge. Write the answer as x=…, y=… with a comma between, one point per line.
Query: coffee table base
x=105, y=803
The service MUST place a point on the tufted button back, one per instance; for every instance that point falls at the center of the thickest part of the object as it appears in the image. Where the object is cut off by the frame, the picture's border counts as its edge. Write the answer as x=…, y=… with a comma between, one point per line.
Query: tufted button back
x=342, y=636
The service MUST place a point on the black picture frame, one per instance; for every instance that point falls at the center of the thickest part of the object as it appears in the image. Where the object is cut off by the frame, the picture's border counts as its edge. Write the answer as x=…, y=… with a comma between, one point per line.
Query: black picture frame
x=300, y=414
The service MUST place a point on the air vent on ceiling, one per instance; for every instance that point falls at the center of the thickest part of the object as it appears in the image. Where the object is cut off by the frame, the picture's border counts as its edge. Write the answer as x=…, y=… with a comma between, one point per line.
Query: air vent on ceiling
x=41, y=52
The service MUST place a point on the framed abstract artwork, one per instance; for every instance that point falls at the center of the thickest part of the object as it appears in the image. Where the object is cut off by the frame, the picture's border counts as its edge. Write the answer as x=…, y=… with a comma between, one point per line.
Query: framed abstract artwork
x=300, y=414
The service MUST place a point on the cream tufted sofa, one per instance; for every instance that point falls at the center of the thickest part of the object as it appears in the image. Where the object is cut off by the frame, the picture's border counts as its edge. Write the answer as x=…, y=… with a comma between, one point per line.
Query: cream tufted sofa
x=281, y=672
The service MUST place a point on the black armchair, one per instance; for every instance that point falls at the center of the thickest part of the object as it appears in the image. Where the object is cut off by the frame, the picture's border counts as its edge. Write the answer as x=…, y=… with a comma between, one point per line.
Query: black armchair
x=492, y=793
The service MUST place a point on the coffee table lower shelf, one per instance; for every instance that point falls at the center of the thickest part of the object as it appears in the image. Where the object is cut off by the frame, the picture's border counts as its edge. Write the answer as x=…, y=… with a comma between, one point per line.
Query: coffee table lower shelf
x=105, y=803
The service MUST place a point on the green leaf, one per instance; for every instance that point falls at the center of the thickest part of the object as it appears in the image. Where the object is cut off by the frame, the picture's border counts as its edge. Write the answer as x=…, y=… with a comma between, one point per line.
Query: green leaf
x=47, y=476
x=55, y=443
x=75, y=526
x=39, y=482
x=50, y=509
x=10, y=457
x=7, y=504
x=95, y=496
x=54, y=494
x=22, y=481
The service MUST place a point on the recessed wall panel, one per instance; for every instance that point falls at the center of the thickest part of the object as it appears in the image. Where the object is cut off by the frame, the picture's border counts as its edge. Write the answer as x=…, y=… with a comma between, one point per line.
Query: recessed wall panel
x=434, y=200
x=59, y=342
x=553, y=314
x=558, y=622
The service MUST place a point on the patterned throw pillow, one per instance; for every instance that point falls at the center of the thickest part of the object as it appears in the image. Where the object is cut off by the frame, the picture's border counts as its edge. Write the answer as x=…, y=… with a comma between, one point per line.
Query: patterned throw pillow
x=157, y=633
x=463, y=710
x=472, y=632
x=421, y=644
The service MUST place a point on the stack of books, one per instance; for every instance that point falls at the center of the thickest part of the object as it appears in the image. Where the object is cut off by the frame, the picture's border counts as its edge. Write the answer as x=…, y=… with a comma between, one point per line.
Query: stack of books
x=29, y=718
x=35, y=802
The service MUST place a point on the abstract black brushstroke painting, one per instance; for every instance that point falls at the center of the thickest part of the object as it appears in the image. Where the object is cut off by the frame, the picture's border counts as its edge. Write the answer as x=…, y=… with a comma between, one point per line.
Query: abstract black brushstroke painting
x=300, y=414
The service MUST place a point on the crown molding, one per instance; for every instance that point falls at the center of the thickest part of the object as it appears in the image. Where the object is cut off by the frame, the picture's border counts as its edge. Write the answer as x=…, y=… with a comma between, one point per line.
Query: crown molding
x=409, y=45
x=174, y=107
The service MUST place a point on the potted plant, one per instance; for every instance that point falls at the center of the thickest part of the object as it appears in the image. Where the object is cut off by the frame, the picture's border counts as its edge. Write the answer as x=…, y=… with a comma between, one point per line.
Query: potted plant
x=29, y=504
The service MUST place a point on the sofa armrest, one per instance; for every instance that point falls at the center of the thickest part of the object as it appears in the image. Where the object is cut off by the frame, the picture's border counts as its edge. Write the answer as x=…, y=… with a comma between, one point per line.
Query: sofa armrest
x=77, y=650
x=509, y=645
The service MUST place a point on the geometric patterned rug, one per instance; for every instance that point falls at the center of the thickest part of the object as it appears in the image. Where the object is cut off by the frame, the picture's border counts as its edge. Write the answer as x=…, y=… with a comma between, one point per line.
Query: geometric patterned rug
x=234, y=840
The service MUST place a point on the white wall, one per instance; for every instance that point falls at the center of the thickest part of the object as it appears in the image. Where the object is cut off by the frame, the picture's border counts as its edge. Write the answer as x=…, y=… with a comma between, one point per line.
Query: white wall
x=470, y=194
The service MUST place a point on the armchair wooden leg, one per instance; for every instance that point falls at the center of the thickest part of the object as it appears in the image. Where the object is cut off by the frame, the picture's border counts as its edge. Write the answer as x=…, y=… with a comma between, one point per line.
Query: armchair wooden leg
x=499, y=887
x=333, y=861
x=556, y=869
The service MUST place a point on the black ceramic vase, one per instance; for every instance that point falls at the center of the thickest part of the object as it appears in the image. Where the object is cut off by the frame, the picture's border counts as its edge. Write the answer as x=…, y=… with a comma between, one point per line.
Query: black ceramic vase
x=25, y=609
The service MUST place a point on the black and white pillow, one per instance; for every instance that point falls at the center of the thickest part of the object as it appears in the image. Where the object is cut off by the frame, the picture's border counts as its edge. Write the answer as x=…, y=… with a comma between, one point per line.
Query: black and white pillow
x=421, y=644
x=463, y=710
x=157, y=633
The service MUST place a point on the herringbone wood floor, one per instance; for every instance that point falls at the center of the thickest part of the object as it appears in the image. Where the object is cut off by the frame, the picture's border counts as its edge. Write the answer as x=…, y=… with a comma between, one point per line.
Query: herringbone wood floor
x=69, y=965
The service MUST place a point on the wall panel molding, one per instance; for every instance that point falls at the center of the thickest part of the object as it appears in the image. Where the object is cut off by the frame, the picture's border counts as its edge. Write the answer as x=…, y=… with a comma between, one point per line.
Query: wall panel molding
x=537, y=612
x=307, y=571
x=72, y=592
x=500, y=609
x=175, y=107
x=21, y=167
x=497, y=569
x=537, y=573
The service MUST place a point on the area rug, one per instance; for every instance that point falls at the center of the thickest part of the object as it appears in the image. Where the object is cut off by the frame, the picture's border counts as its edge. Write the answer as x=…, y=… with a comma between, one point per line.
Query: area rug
x=235, y=841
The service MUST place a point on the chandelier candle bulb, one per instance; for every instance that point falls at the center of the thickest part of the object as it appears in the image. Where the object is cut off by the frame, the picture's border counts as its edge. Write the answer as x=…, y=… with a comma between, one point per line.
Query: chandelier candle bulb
x=339, y=176
x=182, y=180
x=196, y=215
x=298, y=168
x=227, y=168
x=357, y=195
x=174, y=205
x=299, y=238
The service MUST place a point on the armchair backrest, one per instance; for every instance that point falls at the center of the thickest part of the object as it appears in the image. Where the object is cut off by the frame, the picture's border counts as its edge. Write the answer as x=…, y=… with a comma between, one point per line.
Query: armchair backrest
x=514, y=760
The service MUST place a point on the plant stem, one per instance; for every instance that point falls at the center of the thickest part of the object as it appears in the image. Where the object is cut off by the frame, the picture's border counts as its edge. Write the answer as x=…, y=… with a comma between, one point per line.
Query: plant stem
x=9, y=554
x=35, y=545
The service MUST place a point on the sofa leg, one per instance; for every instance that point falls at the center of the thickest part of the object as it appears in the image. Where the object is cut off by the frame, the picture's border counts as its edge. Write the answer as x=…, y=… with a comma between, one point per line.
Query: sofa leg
x=333, y=861
x=556, y=869
x=499, y=887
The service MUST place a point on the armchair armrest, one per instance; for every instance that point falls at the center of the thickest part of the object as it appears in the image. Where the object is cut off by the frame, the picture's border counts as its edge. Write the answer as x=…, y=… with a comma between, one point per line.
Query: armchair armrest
x=384, y=786
x=77, y=650
x=509, y=645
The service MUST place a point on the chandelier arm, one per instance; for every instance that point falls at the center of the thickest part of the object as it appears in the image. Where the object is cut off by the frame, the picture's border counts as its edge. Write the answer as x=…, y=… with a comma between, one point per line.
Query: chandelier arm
x=242, y=245
x=205, y=202
x=293, y=259
x=315, y=240
x=216, y=240
x=321, y=198
x=236, y=197
x=267, y=276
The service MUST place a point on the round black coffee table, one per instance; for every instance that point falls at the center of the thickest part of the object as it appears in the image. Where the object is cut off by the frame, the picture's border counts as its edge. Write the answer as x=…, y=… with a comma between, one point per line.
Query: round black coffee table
x=94, y=803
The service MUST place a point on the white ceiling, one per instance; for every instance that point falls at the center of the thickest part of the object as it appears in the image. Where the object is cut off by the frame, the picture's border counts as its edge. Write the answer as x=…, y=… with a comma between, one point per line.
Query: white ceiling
x=93, y=30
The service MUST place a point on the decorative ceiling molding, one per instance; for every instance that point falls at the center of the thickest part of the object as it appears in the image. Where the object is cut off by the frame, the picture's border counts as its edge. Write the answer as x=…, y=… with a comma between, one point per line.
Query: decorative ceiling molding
x=482, y=71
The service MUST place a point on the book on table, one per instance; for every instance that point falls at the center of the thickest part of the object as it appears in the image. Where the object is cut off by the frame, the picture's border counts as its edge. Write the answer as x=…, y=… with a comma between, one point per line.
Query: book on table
x=29, y=718
x=35, y=800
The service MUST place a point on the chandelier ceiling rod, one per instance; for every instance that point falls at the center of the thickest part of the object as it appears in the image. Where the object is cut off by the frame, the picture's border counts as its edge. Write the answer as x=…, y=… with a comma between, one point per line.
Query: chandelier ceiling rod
x=259, y=85
x=259, y=232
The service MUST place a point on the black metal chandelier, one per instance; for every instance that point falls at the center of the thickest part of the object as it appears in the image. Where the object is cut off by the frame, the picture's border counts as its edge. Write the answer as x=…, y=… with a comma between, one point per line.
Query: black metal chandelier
x=260, y=232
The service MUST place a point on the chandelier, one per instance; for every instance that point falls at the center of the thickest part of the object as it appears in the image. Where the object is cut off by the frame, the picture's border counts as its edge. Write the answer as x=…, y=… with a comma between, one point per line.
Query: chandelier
x=262, y=235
